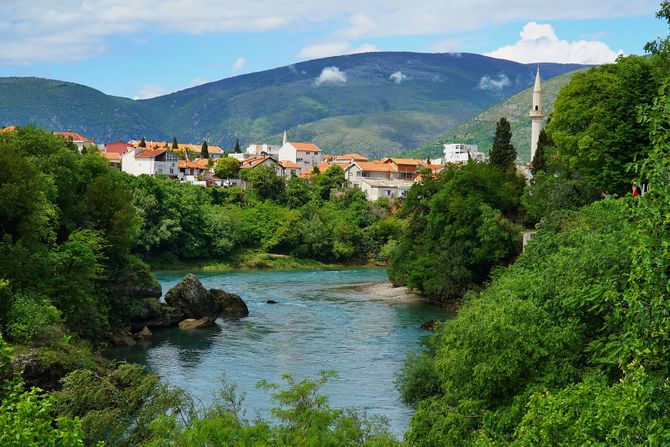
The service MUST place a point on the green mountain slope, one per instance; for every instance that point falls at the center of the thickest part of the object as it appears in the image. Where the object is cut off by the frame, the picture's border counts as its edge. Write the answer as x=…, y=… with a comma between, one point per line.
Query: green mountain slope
x=481, y=129
x=362, y=108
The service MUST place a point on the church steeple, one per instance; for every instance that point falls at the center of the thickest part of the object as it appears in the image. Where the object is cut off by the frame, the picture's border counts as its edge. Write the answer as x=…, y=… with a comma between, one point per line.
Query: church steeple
x=536, y=114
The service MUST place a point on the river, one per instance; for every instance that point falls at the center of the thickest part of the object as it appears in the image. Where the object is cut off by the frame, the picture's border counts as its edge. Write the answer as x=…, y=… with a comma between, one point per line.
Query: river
x=319, y=323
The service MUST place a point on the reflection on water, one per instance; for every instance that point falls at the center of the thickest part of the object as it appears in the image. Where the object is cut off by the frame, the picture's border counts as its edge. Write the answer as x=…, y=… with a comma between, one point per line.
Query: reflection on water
x=317, y=325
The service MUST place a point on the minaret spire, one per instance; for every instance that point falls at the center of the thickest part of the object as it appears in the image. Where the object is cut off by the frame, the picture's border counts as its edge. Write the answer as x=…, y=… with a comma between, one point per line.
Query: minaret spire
x=285, y=139
x=536, y=114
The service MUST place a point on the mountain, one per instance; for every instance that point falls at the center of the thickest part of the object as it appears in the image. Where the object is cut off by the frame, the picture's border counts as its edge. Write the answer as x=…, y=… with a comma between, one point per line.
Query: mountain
x=481, y=129
x=373, y=103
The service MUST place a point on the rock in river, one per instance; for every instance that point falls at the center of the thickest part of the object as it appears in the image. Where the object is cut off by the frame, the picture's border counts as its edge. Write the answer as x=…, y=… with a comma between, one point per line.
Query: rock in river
x=192, y=323
x=232, y=306
x=192, y=299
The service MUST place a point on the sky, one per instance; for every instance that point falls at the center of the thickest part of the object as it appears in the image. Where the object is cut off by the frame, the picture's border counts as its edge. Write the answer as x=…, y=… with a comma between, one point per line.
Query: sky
x=146, y=48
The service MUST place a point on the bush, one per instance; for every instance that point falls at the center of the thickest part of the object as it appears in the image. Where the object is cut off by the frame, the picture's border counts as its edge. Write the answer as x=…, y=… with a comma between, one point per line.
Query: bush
x=33, y=318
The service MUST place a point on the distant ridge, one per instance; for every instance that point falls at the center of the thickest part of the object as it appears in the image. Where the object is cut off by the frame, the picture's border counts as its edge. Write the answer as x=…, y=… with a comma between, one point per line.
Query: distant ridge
x=481, y=129
x=379, y=104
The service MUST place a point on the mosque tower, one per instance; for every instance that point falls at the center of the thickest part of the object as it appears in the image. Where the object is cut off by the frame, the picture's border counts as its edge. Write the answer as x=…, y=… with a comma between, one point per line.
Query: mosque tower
x=536, y=115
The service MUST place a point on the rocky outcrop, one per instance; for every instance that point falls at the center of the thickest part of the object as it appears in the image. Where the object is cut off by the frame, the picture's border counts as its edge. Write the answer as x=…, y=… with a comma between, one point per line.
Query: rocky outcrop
x=231, y=305
x=154, y=315
x=192, y=323
x=192, y=299
x=143, y=335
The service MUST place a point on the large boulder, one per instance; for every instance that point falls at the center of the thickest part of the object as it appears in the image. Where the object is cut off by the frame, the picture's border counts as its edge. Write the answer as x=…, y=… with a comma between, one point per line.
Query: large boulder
x=192, y=299
x=232, y=306
x=154, y=314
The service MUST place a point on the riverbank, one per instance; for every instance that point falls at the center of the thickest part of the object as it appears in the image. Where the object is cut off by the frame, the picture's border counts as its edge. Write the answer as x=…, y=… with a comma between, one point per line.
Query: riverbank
x=386, y=291
x=252, y=260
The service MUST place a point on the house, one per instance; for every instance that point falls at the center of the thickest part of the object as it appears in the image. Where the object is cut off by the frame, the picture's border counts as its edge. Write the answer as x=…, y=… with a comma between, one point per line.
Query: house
x=461, y=153
x=193, y=149
x=77, y=139
x=138, y=161
x=347, y=159
x=263, y=160
x=306, y=155
x=261, y=149
x=405, y=168
x=290, y=169
x=394, y=188
x=195, y=169
x=113, y=158
x=374, y=170
x=321, y=167
x=117, y=147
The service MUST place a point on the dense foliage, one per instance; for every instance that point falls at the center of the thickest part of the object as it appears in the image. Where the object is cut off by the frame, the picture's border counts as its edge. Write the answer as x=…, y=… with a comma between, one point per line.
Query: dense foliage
x=459, y=228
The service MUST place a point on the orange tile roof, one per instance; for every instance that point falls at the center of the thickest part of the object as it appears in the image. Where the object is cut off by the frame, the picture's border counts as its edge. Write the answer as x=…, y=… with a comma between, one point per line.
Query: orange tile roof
x=305, y=147
x=8, y=129
x=434, y=167
x=150, y=153
x=355, y=157
x=181, y=146
x=405, y=161
x=187, y=164
x=249, y=163
x=68, y=135
x=288, y=164
x=376, y=166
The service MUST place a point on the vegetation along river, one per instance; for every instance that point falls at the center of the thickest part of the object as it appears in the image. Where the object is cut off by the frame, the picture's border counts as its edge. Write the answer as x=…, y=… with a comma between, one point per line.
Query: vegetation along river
x=320, y=323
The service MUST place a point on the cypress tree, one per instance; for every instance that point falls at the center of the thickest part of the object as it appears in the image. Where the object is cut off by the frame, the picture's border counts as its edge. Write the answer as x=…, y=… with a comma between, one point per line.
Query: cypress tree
x=204, y=150
x=175, y=145
x=539, y=162
x=237, y=149
x=503, y=153
x=143, y=143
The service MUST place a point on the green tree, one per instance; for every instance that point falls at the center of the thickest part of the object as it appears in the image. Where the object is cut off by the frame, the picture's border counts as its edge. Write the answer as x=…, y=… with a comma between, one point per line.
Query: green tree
x=503, y=153
x=544, y=143
x=204, y=150
x=175, y=145
x=237, y=148
x=596, y=132
x=265, y=183
x=227, y=167
x=143, y=143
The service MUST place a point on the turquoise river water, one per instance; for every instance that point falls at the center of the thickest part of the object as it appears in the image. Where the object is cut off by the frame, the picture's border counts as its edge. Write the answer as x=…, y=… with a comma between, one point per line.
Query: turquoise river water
x=320, y=323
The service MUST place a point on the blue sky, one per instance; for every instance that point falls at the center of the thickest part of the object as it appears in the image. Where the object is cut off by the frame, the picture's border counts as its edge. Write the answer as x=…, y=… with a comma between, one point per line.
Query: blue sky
x=143, y=48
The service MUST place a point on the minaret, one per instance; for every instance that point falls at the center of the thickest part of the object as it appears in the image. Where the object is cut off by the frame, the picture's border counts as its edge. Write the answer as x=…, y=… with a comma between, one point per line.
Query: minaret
x=285, y=139
x=536, y=115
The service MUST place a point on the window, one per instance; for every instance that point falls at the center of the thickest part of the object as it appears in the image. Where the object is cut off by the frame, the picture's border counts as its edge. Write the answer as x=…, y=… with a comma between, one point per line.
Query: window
x=160, y=170
x=171, y=170
x=298, y=159
x=537, y=108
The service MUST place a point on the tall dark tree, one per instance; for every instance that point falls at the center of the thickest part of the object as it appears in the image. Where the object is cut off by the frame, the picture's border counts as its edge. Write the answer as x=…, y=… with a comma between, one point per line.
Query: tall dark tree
x=204, y=150
x=143, y=143
x=503, y=153
x=539, y=162
x=237, y=149
x=175, y=145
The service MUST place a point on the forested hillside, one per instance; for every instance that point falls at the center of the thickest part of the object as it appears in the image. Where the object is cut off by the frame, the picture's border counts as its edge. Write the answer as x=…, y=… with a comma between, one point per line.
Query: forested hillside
x=374, y=103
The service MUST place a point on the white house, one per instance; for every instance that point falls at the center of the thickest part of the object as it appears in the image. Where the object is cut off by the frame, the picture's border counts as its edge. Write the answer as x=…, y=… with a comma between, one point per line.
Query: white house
x=138, y=161
x=262, y=149
x=264, y=160
x=374, y=170
x=307, y=155
x=375, y=189
x=291, y=169
x=461, y=153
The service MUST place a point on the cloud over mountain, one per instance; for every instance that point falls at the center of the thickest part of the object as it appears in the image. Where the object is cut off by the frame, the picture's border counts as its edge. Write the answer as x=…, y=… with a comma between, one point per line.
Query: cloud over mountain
x=331, y=75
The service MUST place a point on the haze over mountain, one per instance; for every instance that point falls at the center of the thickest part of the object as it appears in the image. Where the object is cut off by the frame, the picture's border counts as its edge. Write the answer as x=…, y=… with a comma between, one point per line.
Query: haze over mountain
x=373, y=103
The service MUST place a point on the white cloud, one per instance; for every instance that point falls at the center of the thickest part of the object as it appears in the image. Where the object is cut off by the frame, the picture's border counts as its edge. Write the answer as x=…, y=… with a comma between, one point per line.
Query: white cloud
x=66, y=30
x=331, y=75
x=495, y=84
x=398, y=77
x=150, y=91
x=238, y=65
x=539, y=43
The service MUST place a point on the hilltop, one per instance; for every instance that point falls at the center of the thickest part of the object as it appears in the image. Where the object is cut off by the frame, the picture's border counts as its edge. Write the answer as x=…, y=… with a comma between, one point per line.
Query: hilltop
x=373, y=103
x=481, y=129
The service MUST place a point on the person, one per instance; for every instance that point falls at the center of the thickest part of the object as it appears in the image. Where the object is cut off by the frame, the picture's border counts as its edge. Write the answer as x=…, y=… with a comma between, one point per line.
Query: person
x=635, y=190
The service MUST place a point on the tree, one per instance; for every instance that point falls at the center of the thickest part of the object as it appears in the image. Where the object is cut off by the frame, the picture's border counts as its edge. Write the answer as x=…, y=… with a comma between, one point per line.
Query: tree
x=237, y=149
x=595, y=126
x=503, y=153
x=227, y=167
x=175, y=145
x=539, y=162
x=204, y=150
x=143, y=143
x=265, y=182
